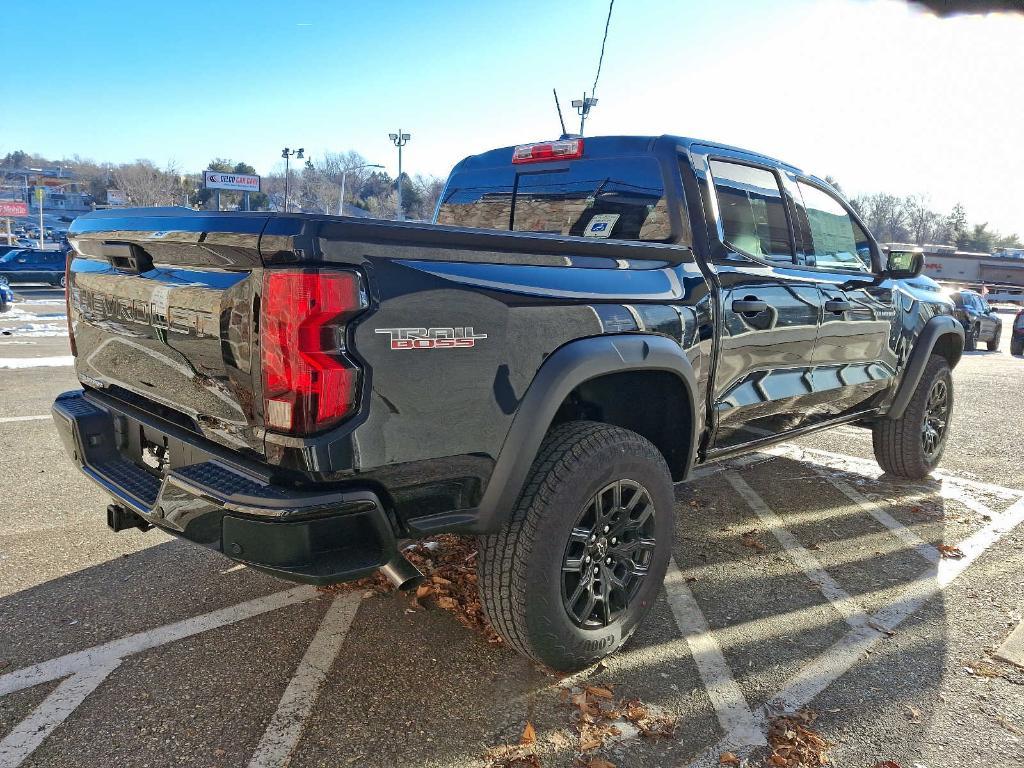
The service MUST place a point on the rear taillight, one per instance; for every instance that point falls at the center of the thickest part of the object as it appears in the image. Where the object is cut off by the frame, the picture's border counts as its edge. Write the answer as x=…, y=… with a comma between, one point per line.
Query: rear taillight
x=67, y=301
x=309, y=383
x=567, y=149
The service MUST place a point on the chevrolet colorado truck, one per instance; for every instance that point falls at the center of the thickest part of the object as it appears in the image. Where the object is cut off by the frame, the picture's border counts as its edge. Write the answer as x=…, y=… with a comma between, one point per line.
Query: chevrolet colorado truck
x=585, y=321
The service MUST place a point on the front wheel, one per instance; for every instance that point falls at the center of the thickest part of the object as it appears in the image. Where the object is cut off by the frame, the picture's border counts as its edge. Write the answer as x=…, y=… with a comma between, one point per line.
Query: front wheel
x=993, y=344
x=971, y=339
x=912, y=445
x=1017, y=346
x=577, y=567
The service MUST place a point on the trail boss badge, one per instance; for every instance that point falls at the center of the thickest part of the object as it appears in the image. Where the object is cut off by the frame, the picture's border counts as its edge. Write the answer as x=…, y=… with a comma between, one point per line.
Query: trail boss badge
x=432, y=338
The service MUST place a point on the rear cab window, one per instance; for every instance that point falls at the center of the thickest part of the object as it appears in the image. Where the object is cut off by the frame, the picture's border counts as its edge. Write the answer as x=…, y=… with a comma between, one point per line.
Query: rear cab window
x=751, y=210
x=618, y=198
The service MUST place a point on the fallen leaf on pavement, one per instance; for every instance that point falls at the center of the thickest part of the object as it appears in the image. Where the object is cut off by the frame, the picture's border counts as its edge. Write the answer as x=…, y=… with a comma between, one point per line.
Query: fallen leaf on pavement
x=950, y=552
x=750, y=540
x=598, y=762
x=529, y=734
x=794, y=743
x=913, y=713
x=448, y=562
x=597, y=690
x=728, y=758
x=886, y=764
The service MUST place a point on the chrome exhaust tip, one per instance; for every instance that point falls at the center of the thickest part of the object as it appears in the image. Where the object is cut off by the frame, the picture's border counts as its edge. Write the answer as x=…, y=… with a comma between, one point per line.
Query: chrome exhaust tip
x=400, y=572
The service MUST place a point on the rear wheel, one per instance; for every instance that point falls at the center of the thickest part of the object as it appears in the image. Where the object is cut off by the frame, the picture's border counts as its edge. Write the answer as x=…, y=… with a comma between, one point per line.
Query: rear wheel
x=576, y=568
x=993, y=344
x=912, y=445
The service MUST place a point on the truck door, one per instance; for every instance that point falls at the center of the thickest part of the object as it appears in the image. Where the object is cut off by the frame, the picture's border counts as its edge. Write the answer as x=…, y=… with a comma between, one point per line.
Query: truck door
x=769, y=311
x=853, y=360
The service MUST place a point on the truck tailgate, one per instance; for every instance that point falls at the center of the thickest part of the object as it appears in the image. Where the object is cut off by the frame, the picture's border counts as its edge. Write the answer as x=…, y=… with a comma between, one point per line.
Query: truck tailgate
x=164, y=319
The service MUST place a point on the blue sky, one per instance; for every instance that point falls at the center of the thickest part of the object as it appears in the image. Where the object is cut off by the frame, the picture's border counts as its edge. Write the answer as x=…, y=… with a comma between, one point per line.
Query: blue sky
x=881, y=97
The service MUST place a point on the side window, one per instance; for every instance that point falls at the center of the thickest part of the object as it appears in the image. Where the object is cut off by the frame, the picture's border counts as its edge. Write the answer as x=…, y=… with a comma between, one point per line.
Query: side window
x=837, y=241
x=752, y=211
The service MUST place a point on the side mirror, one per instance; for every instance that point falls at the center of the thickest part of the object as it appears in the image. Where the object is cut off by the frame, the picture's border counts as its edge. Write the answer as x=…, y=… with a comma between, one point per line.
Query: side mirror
x=903, y=265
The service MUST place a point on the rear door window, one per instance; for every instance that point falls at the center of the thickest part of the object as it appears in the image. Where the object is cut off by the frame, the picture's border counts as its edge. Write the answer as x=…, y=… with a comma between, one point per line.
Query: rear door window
x=751, y=210
x=613, y=198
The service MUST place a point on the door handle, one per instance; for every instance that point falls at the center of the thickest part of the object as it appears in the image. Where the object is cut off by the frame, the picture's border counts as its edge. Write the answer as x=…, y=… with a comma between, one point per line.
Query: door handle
x=749, y=306
x=838, y=305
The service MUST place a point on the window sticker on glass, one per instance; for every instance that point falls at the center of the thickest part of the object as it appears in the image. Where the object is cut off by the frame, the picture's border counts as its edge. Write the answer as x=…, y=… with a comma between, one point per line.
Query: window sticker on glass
x=601, y=225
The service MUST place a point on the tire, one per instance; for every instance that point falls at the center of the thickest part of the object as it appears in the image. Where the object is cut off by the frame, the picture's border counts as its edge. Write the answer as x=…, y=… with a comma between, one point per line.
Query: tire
x=522, y=580
x=900, y=444
x=971, y=339
x=1016, y=346
x=61, y=282
x=993, y=345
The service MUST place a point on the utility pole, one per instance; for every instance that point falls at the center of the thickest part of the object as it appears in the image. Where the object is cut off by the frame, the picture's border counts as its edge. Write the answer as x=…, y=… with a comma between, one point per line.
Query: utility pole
x=400, y=140
x=583, y=108
x=344, y=173
x=39, y=199
x=287, y=154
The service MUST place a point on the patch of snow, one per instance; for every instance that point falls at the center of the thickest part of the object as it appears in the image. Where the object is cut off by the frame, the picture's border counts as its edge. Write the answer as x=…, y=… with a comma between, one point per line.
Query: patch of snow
x=36, y=362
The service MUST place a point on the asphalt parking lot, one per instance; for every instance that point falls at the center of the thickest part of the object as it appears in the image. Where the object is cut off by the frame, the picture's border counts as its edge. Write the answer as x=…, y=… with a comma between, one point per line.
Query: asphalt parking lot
x=801, y=579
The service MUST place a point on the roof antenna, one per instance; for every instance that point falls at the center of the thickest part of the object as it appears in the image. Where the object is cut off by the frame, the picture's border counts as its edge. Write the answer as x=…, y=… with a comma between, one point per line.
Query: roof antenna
x=558, y=106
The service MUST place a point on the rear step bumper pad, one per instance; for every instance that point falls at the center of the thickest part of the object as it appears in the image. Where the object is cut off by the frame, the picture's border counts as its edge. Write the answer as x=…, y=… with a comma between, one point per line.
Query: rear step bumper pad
x=317, y=538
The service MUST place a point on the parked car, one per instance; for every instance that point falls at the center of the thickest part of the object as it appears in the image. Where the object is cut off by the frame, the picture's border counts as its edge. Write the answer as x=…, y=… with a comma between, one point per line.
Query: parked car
x=6, y=295
x=589, y=321
x=31, y=265
x=1017, y=339
x=981, y=324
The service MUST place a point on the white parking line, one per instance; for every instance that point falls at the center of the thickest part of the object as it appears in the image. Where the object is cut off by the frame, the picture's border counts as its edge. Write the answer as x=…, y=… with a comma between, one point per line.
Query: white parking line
x=837, y=660
x=902, y=532
x=36, y=362
x=102, y=655
x=282, y=736
x=12, y=419
x=730, y=706
x=808, y=563
x=54, y=710
x=861, y=466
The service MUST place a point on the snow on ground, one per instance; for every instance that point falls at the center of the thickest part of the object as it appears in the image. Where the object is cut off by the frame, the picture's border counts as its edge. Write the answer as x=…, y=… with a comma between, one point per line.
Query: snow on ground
x=36, y=362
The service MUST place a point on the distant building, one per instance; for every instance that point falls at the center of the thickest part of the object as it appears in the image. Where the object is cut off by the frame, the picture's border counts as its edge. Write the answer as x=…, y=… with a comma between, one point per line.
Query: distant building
x=946, y=264
x=61, y=189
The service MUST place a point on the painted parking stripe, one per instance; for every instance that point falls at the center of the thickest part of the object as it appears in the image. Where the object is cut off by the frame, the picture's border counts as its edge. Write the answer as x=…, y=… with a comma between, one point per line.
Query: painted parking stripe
x=282, y=736
x=730, y=706
x=808, y=563
x=902, y=532
x=861, y=466
x=54, y=710
x=101, y=655
x=837, y=660
x=12, y=419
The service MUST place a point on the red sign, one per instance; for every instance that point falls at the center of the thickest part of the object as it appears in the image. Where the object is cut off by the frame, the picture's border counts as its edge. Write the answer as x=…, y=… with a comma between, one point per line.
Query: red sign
x=13, y=208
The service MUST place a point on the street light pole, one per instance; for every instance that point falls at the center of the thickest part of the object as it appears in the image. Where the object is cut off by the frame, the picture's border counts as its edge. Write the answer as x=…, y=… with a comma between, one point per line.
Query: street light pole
x=400, y=140
x=42, y=231
x=287, y=154
x=344, y=173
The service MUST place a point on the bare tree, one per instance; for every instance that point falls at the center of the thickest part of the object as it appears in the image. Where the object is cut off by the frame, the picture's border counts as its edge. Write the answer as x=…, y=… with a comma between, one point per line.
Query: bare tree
x=145, y=185
x=922, y=221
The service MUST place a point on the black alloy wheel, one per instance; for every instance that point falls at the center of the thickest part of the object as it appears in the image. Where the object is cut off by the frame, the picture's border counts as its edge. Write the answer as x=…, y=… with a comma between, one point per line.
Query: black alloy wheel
x=608, y=555
x=936, y=418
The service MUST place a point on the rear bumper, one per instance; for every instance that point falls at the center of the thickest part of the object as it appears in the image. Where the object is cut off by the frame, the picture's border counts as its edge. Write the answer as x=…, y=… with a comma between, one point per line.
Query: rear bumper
x=313, y=537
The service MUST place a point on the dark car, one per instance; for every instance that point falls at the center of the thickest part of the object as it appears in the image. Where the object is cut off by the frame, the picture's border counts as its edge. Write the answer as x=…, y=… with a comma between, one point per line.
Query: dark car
x=1017, y=339
x=586, y=321
x=981, y=324
x=31, y=265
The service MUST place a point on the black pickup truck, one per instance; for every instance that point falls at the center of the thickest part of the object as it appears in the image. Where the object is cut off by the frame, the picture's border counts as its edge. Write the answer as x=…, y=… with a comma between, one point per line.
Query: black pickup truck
x=585, y=321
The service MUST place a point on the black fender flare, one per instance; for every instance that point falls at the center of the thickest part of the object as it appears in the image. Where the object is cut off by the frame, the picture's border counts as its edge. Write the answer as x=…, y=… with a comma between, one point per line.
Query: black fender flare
x=934, y=329
x=564, y=370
